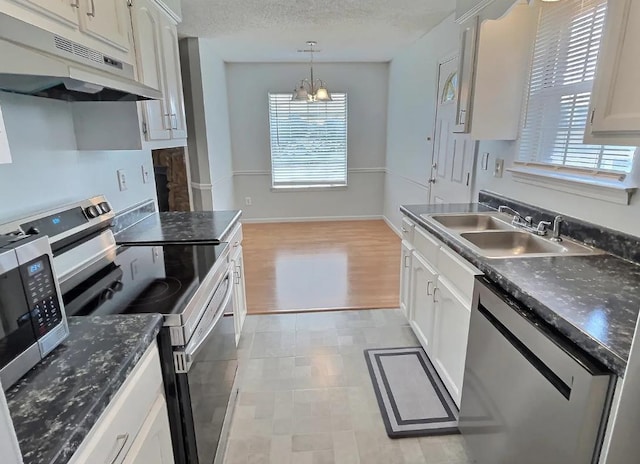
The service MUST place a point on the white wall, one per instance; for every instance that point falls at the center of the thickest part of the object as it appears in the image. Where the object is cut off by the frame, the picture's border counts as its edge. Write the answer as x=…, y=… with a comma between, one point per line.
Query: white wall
x=208, y=123
x=366, y=85
x=47, y=168
x=412, y=102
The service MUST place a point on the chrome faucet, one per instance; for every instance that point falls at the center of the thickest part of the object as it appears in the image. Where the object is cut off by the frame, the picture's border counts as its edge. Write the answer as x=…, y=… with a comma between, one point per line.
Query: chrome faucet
x=557, y=224
x=505, y=209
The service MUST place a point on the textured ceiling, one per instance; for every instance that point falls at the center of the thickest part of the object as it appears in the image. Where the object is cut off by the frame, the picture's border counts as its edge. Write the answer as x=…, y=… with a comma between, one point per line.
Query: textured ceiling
x=347, y=30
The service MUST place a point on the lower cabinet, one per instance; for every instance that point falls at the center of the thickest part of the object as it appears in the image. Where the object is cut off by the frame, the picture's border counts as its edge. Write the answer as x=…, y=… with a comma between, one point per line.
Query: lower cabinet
x=450, y=333
x=405, y=278
x=436, y=293
x=239, y=293
x=422, y=307
x=153, y=443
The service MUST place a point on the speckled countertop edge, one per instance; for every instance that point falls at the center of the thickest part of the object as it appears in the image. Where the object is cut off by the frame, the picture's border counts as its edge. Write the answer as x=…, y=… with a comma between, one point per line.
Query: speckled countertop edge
x=614, y=361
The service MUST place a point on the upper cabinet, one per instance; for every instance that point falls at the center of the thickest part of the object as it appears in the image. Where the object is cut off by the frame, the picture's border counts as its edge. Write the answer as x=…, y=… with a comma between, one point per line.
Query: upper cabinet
x=158, y=62
x=107, y=21
x=615, y=101
x=63, y=11
x=495, y=47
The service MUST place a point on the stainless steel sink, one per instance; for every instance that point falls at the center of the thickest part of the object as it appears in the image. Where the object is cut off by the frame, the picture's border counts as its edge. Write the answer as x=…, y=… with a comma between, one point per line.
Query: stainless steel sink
x=471, y=222
x=491, y=235
x=515, y=243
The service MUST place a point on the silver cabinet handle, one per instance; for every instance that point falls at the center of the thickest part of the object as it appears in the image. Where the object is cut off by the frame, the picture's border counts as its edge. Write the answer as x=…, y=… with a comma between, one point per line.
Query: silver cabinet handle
x=404, y=230
x=462, y=118
x=434, y=294
x=174, y=119
x=75, y=4
x=92, y=13
x=429, y=284
x=170, y=125
x=121, y=440
x=238, y=274
x=406, y=261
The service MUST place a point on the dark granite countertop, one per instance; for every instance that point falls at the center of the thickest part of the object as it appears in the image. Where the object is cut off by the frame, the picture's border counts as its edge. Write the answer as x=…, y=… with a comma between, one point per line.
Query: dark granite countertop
x=180, y=227
x=55, y=405
x=592, y=300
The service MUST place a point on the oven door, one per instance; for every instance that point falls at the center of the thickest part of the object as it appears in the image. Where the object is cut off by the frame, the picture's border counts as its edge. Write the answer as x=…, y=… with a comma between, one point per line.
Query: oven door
x=207, y=388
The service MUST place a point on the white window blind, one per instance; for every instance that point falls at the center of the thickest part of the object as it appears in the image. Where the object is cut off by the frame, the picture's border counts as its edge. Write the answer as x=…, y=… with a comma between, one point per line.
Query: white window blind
x=561, y=81
x=308, y=141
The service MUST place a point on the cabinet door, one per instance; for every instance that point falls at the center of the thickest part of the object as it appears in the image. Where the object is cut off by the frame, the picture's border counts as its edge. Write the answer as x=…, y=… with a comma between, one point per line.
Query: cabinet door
x=405, y=279
x=240, y=299
x=466, y=74
x=106, y=20
x=615, y=102
x=423, y=283
x=63, y=11
x=174, y=95
x=451, y=330
x=153, y=442
x=147, y=29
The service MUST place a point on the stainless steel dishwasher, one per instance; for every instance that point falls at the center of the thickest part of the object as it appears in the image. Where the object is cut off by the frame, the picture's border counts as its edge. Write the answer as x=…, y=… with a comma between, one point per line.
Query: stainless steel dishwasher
x=529, y=396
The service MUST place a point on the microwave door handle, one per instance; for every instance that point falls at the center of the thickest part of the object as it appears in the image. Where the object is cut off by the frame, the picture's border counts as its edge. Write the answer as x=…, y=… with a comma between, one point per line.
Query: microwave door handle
x=192, y=351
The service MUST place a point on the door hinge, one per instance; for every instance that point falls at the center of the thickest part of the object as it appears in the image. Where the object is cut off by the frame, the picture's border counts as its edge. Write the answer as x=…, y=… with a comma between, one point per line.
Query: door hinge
x=144, y=128
x=593, y=114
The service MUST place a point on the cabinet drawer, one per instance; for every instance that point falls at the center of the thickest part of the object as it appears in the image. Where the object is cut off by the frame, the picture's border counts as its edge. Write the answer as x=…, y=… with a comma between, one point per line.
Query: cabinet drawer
x=459, y=272
x=427, y=246
x=407, y=229
x=111, y=437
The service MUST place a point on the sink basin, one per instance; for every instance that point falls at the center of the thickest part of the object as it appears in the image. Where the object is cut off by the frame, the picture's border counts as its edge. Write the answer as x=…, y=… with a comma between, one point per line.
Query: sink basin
x=471, y=222
x=514, y=243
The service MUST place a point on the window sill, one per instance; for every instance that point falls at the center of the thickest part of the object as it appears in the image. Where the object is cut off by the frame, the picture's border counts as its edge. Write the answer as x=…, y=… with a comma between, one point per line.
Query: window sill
x=600, y=185
x=310, y=188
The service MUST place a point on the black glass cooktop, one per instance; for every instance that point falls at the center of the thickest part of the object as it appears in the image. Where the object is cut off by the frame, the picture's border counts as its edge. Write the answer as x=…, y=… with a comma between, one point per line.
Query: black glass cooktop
x=146, y=279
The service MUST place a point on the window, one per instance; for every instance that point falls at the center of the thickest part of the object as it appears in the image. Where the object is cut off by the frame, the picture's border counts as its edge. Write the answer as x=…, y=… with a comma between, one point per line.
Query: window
x=450, y=88
x=308, y=142
x=562, y=73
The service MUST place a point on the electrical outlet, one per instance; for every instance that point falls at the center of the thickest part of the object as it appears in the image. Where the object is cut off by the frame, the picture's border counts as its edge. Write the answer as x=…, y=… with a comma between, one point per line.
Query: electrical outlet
x=499, y=168
x=122, y=180
x=145, y=174
x=247, y=201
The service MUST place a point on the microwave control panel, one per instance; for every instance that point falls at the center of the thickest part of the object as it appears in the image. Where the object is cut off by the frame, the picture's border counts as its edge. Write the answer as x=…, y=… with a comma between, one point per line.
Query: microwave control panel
x=41, y=295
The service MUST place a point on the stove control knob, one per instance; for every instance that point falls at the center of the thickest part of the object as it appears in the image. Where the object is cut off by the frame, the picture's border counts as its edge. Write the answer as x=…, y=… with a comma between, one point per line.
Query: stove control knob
x=105, y=207
x=117, y=286
x=33, y=231
x=92, y=212
x=108, y=294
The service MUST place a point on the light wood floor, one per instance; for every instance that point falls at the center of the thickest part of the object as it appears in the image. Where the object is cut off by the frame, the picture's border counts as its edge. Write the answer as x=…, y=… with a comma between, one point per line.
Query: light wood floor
x=321, y=266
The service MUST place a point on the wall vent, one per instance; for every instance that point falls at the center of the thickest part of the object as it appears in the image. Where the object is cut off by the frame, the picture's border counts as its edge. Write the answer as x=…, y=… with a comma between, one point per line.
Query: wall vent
x=74, y=48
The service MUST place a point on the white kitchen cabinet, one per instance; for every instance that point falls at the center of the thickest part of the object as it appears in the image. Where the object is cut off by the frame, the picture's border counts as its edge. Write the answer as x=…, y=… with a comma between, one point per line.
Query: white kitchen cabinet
x=493, y=69
x=63, y=11
x=422, y=308
x=450, y=333
x=615, y=101
x=466, y=9
x=147, y=24
x=153, y=443
x=174, y=94
x=156, y=42
x=106, y=20
x=239, y=293
x=129, y=421
x=405, y=278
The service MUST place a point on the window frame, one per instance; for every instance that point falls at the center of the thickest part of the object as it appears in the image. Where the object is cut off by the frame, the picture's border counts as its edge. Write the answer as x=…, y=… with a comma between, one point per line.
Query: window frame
x=301, y=187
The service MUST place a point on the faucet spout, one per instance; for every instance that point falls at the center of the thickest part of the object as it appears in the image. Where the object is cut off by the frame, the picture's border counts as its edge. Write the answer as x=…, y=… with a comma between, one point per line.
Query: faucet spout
x=557, y=226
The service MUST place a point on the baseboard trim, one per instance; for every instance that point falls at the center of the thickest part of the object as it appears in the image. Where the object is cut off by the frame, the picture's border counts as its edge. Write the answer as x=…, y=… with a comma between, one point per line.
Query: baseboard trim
x=392, y=226
x=246, y=220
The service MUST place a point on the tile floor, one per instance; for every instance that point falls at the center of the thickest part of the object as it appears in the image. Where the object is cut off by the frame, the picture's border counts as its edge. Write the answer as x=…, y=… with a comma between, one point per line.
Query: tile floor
x=306, y=396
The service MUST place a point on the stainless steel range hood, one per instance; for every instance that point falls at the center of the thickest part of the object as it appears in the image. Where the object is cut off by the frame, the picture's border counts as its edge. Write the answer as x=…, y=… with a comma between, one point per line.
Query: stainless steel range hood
x=36, y=62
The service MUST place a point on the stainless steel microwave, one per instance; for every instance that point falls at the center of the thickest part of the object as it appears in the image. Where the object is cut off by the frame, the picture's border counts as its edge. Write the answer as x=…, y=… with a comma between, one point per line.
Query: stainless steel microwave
x=32, y=317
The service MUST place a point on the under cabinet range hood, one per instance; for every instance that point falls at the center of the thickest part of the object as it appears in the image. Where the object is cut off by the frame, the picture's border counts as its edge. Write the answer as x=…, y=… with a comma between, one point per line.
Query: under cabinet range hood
x=39, y=63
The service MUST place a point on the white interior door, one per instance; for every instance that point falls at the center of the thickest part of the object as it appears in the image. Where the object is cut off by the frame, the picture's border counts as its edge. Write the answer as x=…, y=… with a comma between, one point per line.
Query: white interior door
x=454, y=154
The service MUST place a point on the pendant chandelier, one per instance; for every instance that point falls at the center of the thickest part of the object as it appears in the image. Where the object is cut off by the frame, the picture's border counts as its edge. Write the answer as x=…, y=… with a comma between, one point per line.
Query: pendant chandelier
x=311, y=90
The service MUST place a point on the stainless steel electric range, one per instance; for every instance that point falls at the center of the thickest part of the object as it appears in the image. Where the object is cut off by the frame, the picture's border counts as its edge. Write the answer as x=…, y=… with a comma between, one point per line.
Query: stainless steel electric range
x=190, y=285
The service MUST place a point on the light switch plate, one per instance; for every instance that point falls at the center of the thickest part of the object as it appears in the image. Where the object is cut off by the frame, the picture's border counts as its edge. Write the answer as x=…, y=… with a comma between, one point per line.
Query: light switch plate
x=485, y=161
x=5, y=154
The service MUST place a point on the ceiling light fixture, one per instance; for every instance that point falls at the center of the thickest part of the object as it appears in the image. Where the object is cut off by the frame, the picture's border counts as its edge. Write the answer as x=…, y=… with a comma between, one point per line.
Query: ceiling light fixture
x=311, y=90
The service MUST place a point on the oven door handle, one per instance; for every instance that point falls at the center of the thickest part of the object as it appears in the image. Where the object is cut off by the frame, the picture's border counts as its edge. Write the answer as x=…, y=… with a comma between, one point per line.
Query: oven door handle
x=191, y=351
